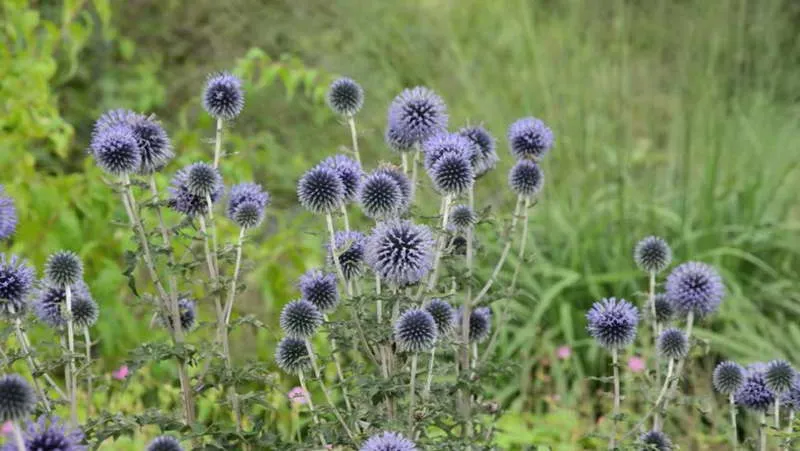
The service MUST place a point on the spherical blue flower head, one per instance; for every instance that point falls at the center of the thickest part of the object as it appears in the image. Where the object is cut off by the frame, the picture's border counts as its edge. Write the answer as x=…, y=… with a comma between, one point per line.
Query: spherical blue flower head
x=292, y=356
x=49, y=434
x=417, y=114
x=182, y=198
x=452, y=174
x=397, y=141
x=486, y=158
x=529, y=138
x=112, y=118
x=165, y=443
x=349, y=171
x=202, y=179
x=480, y=323
x=16, y=281
x=779, y=375
x=673, y=344
x=300, y=319
x=695, y=287
x=116, y=151
x=526, y=178
x=728, y=377
x=8, y=216
x=655, y=441
x=652, y=254
x=754, y=393
x=63, y=268
x=415, y=331
x=319, y=288
x=791, y=398
x=406, y=189
x=320, y=190
x=443, y=314
x=380, y=197
x=246, y=204
x=85, y=312
x=441, y=144
x=664, y=309
x=188, y=315
x=50, y=303
x=388, y=441
x=461, y=218
x=153, y=141
x=223, y=97
x=17, y=398
x=612, y=323
x=345, y=97
x=400, y=252
x=349, y=246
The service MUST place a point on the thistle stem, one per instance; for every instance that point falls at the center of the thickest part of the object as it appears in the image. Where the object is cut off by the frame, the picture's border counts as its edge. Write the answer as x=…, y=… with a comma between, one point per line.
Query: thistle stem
x=17, y=428
x=777, y=412
x=445, y=212
x=379, y=302
x=326, y=392
x=414, y=165
x=681, y=363
x=311, y=408
x=32, y=364
x=25, y=342
x=218, y=143
x=345, y=220
x=339, y=373
x=427, y=392
x=762, y=432
x=412, y=398
x=734, y=432
x=404, y=162
x=237, y=267
x=523, y=242
x=615, y=412
x=352, y=122
x=651, y=302
x=661, y=394
x=503, y=255
x=336, y=263
x=88, y=340
x=71, y=370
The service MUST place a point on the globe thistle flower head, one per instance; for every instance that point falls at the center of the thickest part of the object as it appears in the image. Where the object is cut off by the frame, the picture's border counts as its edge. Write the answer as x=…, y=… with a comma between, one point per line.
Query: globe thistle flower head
x=417, y=114
x=655, y=441
x=652, y=254
x=529, y=138
x=17, y=398
x=349, y=172
x=400, y=252
x=8, y=216
x=188, y=314
x=165, y=443
x=444, y=315
x=754, y=394
x=486, y=158
x=112, y=118
x=612, y=323
x=319, y=288
x=49, y=434
x=397, y=141
x=349, y=247
x=153, y=141
x=16, y=281
x=202, y=179
x=300, y=319
x=461, y=218
x=779, y=375
x=84, y=312
x=320, y=190
x=695, y=287
x=664, y=309
x=292, y=356
x=184, y=200
x=388, y=441
x=406, y=189
x=223, y=97
x=480, y=323
x=415, y=331
x=791, y=398
x=246, y=204
x=452, y=174
x=380, y=197
x=526, y=178
x=345, y=97
x=50, y=304
x=441, y=144
x=63, y=268
x=116, y=150
x=728, y=377
x=673, y=344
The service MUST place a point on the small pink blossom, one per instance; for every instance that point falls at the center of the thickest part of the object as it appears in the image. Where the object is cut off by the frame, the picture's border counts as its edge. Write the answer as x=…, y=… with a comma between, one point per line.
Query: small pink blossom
x=120, y=373
x=6, y=428
x=298, y=396
x=636, y=364
x=563, y=352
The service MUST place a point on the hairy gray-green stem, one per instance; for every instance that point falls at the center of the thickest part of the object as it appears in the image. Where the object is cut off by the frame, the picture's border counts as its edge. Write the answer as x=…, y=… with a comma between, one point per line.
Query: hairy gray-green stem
x=734, y=434
x=681, y=363
x=338, y=364
x=326, y=392
x=218, y=143
x=88, y=345
x=440, y=242
x=17, y=428
x=414, y=166
x=32, y=365
x=412, y=398
x=615, y=412
x=777, y=413
x=72, y=373
x=345, y=220
x=523, y=242
x=427, y=391
x=404, y=162
x=311, y=407
x=503, y=255
x=26, y=348
x=351, y=121
x=762, y=432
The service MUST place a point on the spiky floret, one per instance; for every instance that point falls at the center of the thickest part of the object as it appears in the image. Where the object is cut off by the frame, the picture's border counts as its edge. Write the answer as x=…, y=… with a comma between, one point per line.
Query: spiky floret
x=526, y=178
x=673, y=344
x=345, y=97
x=153, y=141
x=417, y=114
x=441, y=144
x=655, y=441
x=779, y=375
x=791, y=398
x=50, y=304
x=444, y=315
x=480, y=323
x=400, y=252
x=292, y=356
x=183, y=200
x=202, y=179
x=452, y=174
x=300, y=319
x=415, y=331
x=165, y=443
x=349, y=172
x=397, y=141
x=695, y=287
x=319, y=288
x=85, y=312
x=461, y=218
x=612, y=323
x=402, y=180
x=187, y=308
x=320, y=190
x=223, y=97
x=728, y=377
x=652, y=254
x=16, y=281
x=63, y=268
x=486, y=158
x=116, y=150
x=754, y=394
x=349, y=246
x=246, y=204
x=49, y=434
x=529, y=138
x=380, y=196
x=388, y=441
x=17, y=398
x=8, y=215
x=664, y=309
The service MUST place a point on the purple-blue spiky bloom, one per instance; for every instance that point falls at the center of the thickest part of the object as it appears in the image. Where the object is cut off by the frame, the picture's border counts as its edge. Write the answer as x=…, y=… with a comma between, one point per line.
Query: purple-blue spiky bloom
x=406, y=189
x=652, y=254
x=380, y=196
x=728, y=377
x=300, y=319
x=779, y=375
x=112, y=118
x=480, y=323
x=49, y=434
x=452, y=174
x=397, y=141
x=16, y=281
x=63, y=268
x=246, y=204
x=349, y=172
x=291, y=355
x=461, y=218
x=187, y=309
x=529, y=138
x=388, y=441
x=223, y=96
x=320, y=190
x=754, y=394
x=612, y=323
x=443, y=314
x=791, y=398
x=655, y=441
x=415, y=331
x=441, y=144
x=349, y=247
x=664, y=309
x=183, y=200
x=116, y=150
x=319, y=288
x=417, y=114
x=673, y=344
x=202, y=179
x=486, y=158
x=526, y=178
x=400, y=252
x=345, y=97
x=50, y=302
x=153, y=141
x=8, y=216
x=17, y=398
x=164, y=443
x=695, y=287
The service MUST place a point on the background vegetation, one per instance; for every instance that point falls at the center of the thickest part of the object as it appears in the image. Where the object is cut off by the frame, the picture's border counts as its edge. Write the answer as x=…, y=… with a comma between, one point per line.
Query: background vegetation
x=677, y=118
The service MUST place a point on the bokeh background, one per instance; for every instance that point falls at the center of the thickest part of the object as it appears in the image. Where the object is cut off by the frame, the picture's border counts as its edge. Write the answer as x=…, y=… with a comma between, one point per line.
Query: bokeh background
x=676, y=118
